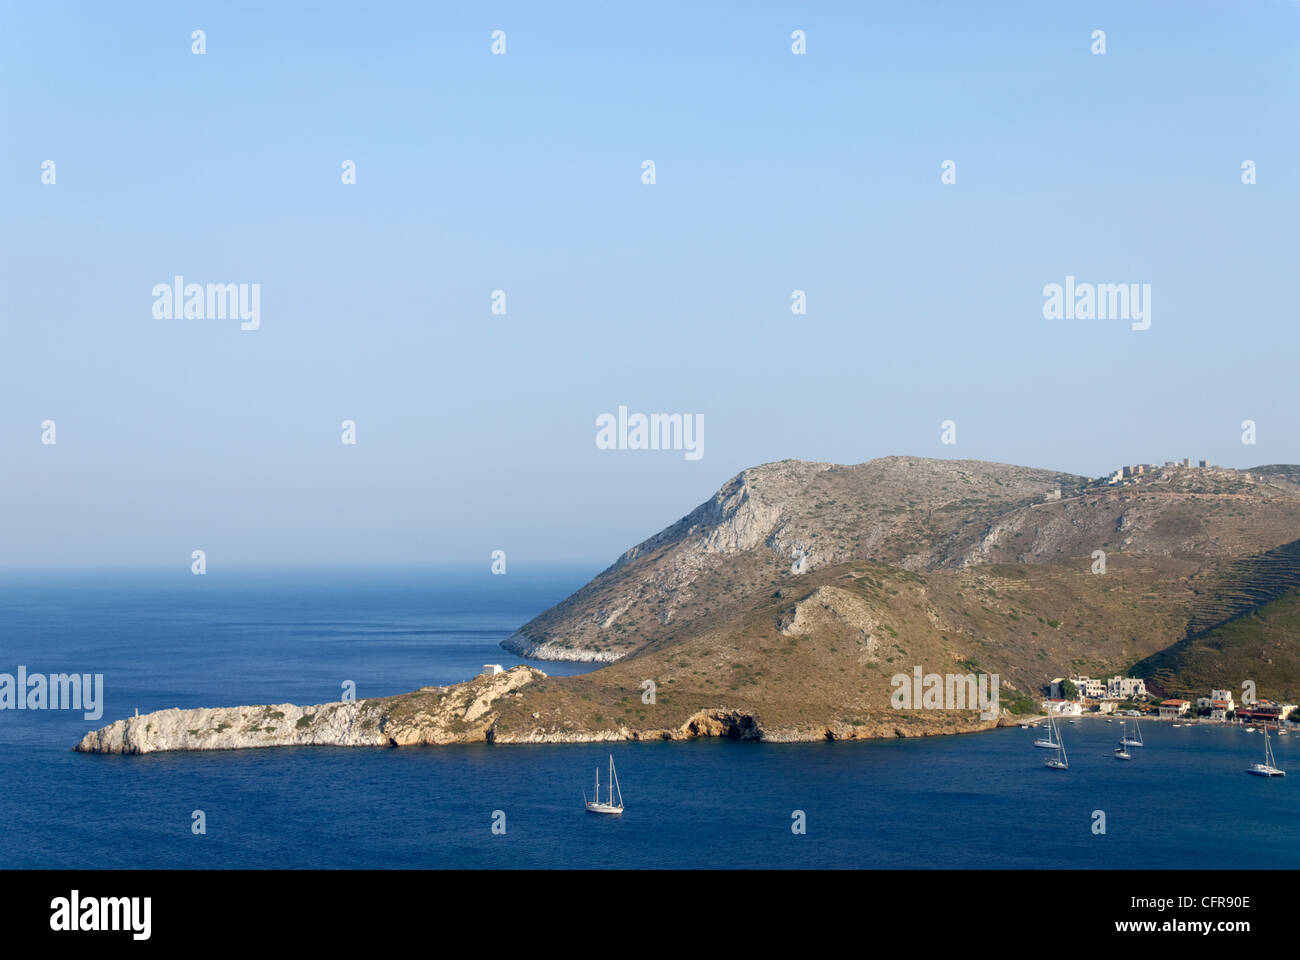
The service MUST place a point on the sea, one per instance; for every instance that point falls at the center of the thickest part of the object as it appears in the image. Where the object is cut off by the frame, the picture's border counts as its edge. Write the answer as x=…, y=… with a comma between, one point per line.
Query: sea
x=166, y=639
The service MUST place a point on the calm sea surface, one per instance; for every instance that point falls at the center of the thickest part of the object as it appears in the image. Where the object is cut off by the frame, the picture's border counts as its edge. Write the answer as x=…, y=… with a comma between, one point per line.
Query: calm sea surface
x=166, y=640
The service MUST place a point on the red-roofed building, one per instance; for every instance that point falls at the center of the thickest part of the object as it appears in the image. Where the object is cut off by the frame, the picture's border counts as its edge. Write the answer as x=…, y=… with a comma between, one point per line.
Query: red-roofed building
x=1173, y=709
x=1264, y=711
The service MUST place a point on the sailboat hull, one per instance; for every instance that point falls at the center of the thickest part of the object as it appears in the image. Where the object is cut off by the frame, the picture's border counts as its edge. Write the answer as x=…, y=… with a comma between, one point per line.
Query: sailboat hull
x=1045, y=744
x=615, y=793
x=1267, y=768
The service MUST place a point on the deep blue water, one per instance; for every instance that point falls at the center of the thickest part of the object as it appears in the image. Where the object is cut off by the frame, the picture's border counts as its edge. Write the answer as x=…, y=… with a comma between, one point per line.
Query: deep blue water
x=965, y=801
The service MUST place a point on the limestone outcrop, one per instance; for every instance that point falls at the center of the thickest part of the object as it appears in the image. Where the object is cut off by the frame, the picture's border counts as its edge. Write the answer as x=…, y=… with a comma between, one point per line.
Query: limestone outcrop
x=460, y=713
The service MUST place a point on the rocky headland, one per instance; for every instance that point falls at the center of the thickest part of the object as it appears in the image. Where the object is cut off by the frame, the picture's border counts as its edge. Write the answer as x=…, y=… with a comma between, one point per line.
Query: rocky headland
x=780, y=608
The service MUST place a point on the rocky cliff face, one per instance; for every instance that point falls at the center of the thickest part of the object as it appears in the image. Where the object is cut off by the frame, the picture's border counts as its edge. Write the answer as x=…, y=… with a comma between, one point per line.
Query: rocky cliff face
x=792, y=518
x=768, y=521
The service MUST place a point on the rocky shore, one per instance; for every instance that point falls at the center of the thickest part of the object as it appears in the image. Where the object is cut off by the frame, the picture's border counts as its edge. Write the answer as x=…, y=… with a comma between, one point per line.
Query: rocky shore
x=469, y=712
x=522, y=645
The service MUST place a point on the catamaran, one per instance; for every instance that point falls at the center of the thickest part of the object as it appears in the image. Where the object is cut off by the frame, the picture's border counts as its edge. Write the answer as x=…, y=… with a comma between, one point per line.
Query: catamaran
x=1058, y=762
x=1127, y=742
x=594, y=805
x=1051, y=742
x=1269, y=767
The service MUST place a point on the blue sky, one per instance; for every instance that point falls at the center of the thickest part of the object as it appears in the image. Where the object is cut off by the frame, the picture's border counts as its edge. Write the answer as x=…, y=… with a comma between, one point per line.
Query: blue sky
x=522, y=172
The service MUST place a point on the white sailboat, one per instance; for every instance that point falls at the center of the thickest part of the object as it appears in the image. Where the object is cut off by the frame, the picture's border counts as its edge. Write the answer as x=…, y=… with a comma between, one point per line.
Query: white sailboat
x=1269, y=767
x=1051, y=742
x=1121, y=753
x=1129, y=742
x=1058, y=762
x=611, y=806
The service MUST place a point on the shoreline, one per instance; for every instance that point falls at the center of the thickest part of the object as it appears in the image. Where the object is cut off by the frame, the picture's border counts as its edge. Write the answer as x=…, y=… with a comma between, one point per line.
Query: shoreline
x=470, y=712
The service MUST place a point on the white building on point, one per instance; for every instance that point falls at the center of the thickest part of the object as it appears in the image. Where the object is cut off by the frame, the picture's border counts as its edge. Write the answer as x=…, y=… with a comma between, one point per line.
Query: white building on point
x=490, y=669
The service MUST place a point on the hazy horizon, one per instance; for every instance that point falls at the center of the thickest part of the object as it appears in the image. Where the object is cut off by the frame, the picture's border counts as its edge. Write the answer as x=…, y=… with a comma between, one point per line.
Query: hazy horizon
x=775, y=172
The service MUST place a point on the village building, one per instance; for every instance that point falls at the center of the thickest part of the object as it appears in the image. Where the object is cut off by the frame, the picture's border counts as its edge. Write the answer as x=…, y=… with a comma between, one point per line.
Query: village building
x=1093, y=689
x=1264, y=711
x=1063, y=708
x=1220, y=698
x=1125, y=688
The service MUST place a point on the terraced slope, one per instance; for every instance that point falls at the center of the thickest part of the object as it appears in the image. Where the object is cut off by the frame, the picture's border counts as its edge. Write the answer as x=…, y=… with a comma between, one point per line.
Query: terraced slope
x=1262, y=644
x=1243, y=586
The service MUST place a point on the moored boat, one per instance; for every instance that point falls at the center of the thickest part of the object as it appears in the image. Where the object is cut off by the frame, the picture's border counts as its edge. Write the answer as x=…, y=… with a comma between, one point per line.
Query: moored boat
x=610, y=806
x=1133, y=741
x=1060, y=761
x=1121, y=751
x=1269, y=767
x=1050, y=742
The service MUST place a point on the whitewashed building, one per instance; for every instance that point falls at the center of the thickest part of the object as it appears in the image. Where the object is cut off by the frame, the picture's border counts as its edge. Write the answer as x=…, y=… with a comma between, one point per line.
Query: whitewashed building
x=1125, y=688
x=1217, y=698
x=1093, y=689
x=1063, y=708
